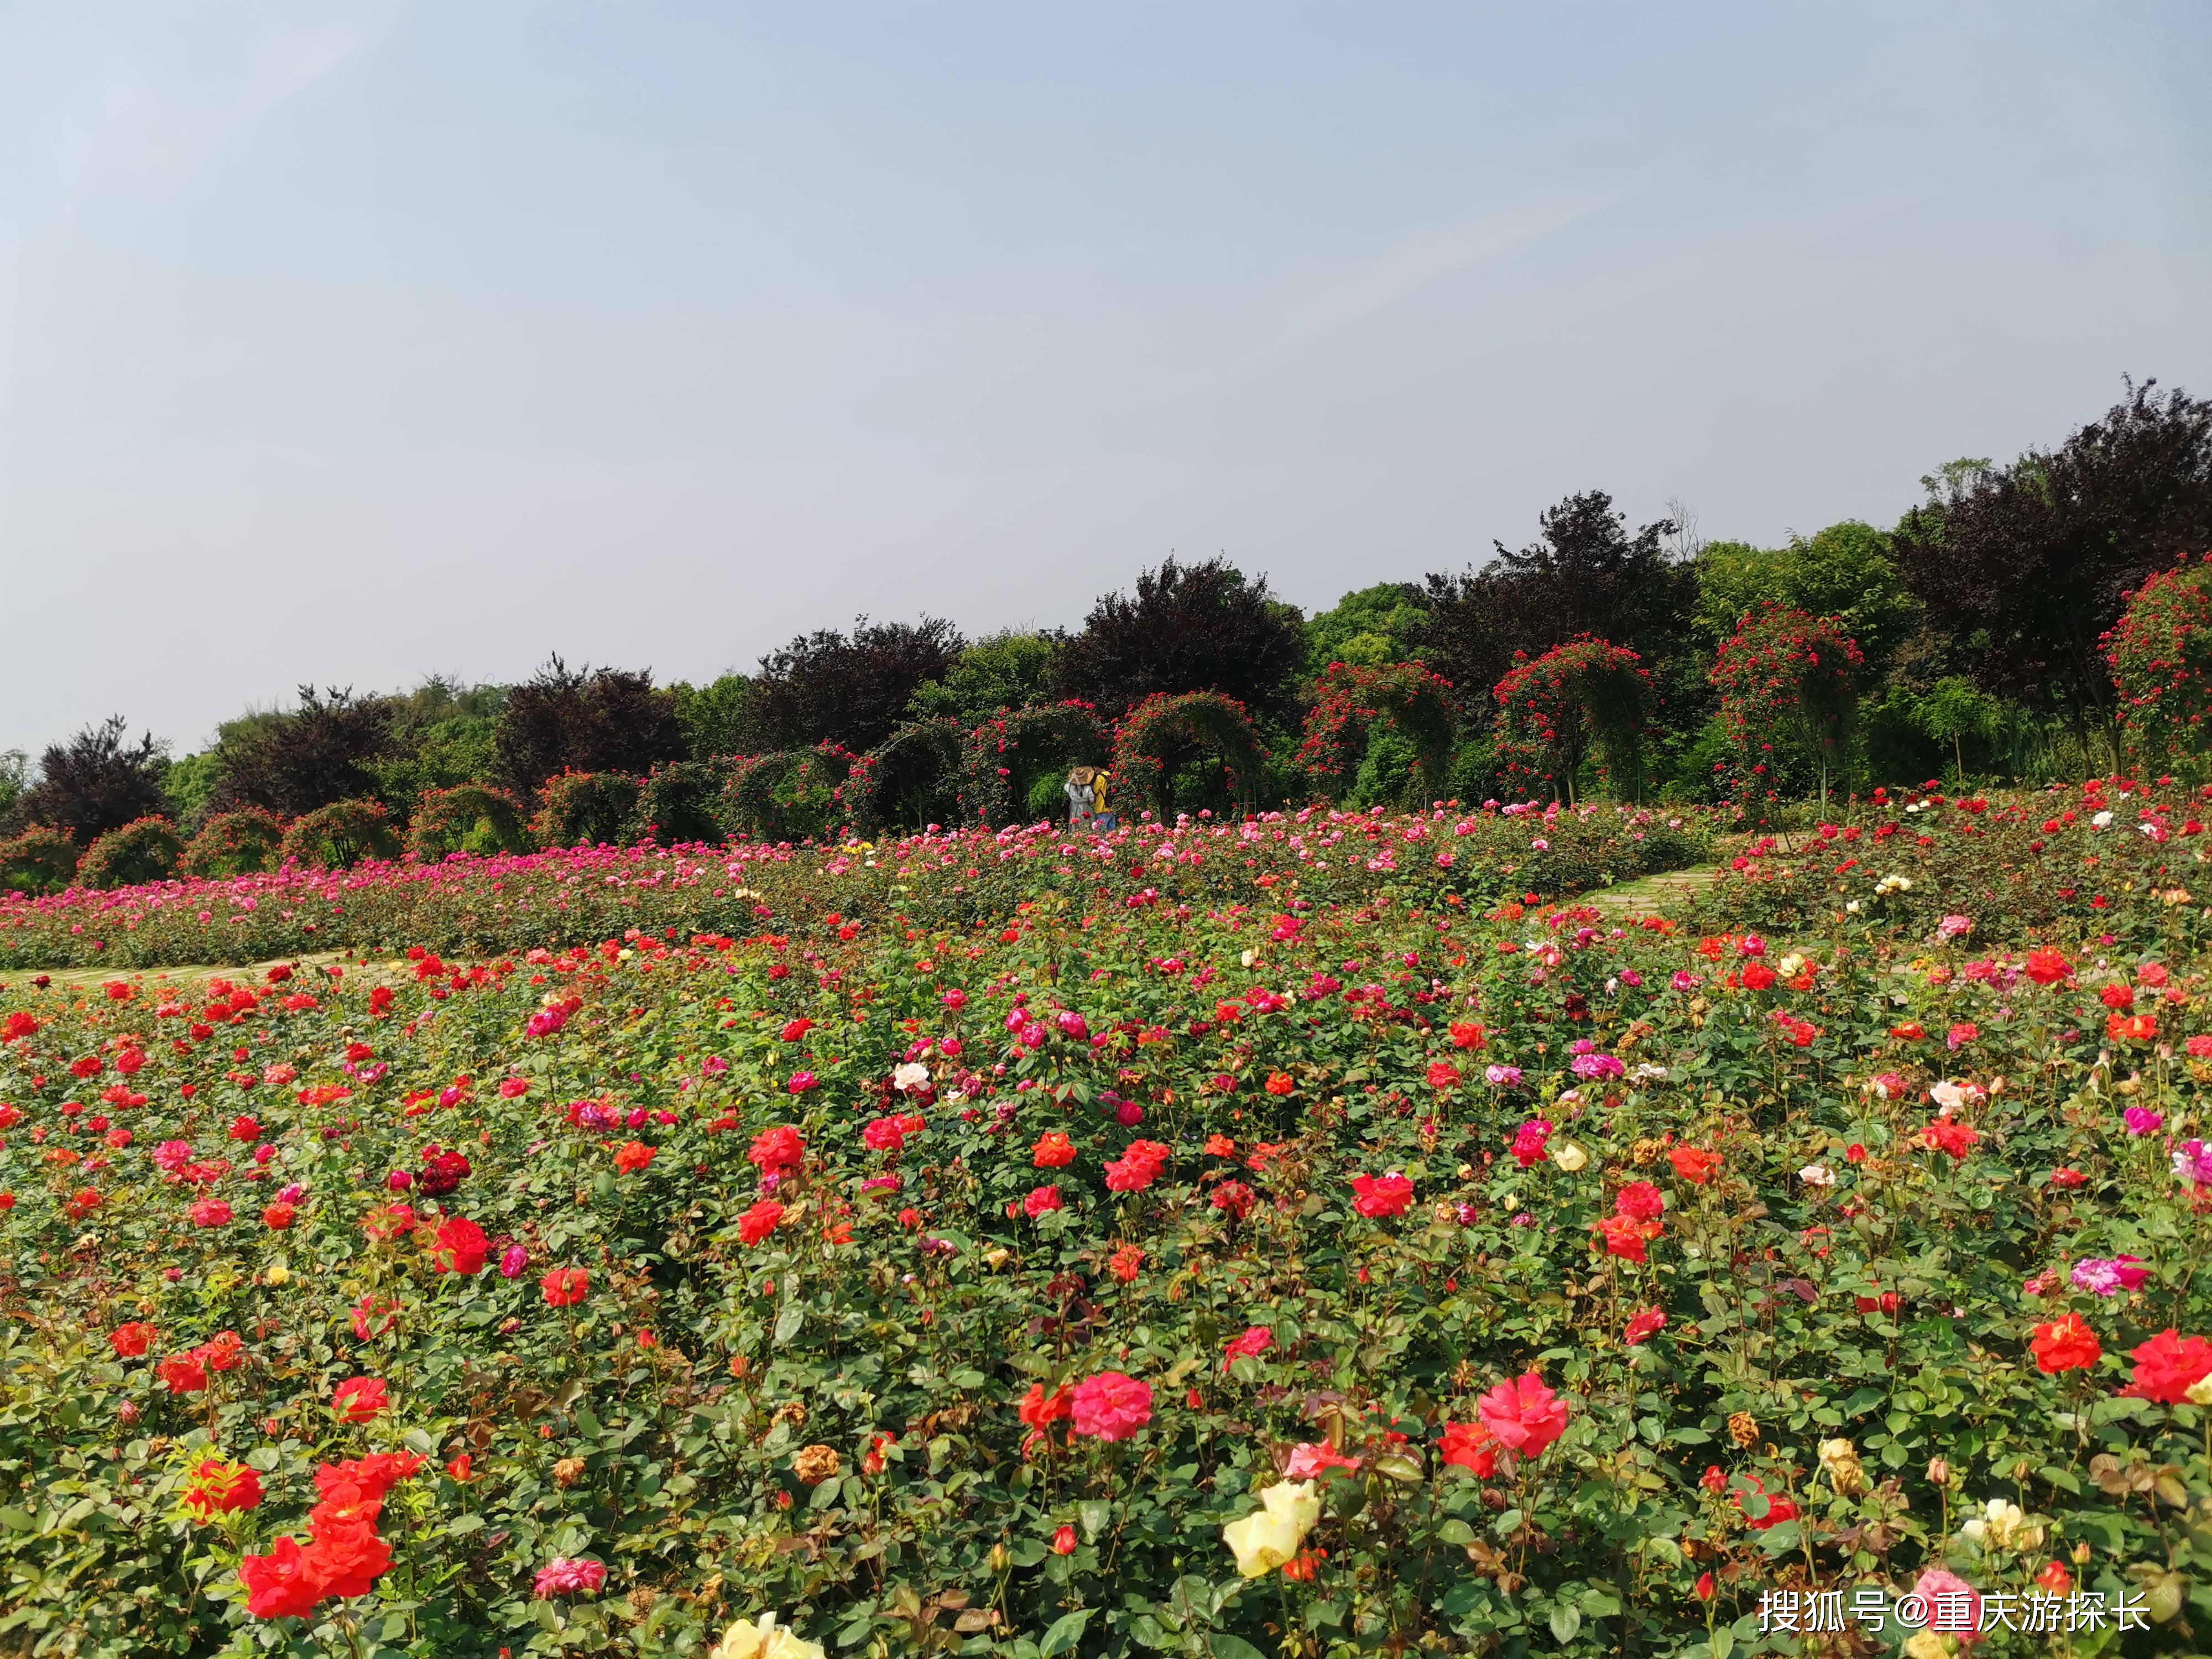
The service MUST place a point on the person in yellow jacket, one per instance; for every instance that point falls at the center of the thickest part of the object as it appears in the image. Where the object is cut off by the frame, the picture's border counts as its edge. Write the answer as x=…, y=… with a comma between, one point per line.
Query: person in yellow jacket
x=1101, y=819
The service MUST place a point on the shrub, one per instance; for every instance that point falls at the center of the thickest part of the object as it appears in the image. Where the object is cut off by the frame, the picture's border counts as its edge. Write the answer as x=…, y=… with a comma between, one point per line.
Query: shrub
x=344, y=832
x=147, y=849
x=39, y=860
x=240, y=843
x=470, y=818
x=586, y=809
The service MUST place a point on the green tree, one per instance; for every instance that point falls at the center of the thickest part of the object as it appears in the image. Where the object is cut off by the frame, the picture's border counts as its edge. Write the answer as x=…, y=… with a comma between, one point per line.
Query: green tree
x=189, y=783
x=1953, y=709
x=1843, y=571
x=1368, y=627
x=712, y=715
x=1008, y=670
x=15, y=777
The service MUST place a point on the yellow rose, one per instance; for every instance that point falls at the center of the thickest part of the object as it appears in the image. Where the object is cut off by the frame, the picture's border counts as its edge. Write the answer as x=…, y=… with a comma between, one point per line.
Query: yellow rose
x=1927, y=1645
x=1569, y=1156
x=275, y=1273
x=1269, y=1537
x=2200, y=1391
x=763, y=1639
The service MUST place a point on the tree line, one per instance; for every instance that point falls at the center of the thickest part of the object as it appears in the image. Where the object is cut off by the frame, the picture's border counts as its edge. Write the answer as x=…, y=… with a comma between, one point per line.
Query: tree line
x=1979, y=617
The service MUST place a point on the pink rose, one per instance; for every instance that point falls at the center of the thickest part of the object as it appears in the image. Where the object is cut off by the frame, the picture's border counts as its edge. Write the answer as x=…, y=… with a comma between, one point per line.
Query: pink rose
x=1523, y=1414
x=1112, y=1407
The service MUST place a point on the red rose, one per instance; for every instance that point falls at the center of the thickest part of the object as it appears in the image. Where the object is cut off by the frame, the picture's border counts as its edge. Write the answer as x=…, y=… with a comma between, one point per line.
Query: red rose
x=2168, y=1366
x=2065, y=1345
x=359, y=1399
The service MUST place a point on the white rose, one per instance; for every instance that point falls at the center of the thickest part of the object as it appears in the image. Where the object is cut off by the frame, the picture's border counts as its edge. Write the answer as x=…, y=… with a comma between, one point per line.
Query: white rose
x=1817, y=1175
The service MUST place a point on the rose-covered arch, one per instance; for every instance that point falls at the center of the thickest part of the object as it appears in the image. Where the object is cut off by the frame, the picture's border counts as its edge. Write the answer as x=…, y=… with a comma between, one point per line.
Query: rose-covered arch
x=1583, y=699
x=1002, y=759
x=1353, y=697
x=1162, y=732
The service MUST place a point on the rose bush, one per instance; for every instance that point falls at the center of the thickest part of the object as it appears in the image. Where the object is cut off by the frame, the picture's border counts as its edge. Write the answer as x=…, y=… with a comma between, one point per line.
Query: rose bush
x=1423, y=1267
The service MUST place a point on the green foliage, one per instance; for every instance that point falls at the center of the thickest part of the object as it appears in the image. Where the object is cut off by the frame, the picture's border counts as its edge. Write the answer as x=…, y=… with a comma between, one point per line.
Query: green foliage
x=442, y=736
x=681, y=802
x=343, y=832
x=1380, y=728
x=909, y=779
x=1584, y=701
x=1022, y=757
x=1955, y=709
x=188, y=785
x=1790, y=687
x=144, y=851
x=15, y=777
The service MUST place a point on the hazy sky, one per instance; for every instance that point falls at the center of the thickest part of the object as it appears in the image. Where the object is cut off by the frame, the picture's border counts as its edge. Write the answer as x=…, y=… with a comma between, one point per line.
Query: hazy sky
x=351, y=341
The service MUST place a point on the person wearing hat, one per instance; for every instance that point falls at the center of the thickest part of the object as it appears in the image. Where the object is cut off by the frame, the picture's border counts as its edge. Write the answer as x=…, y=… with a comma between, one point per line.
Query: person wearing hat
x=1082, y=795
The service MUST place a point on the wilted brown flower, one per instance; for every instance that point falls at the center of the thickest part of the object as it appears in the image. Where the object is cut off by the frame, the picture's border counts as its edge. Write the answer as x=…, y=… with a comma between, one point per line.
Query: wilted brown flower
x=1743, y=1429
x=815, y=1464
x=1840, y=1459
x=568, y=1472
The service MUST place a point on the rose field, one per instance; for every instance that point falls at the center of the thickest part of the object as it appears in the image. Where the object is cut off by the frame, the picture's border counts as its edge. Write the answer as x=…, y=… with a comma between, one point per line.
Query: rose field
x=1311, y=1233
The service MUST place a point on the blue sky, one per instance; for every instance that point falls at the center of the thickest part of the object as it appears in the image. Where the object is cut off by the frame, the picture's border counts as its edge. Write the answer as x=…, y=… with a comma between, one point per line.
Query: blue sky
x=348, y=343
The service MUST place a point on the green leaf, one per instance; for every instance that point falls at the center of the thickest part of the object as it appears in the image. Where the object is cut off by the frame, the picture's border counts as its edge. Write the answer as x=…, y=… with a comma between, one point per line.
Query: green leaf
x=1225, y=1646
x=1066, y=1631
x=19, y=1519
x=788, y=1322
x=1565, y=1620
x=1456, y=1531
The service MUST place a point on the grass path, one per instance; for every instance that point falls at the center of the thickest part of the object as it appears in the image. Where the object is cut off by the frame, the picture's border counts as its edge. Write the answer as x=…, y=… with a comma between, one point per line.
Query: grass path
x=1651, y=895
x=255, y=971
